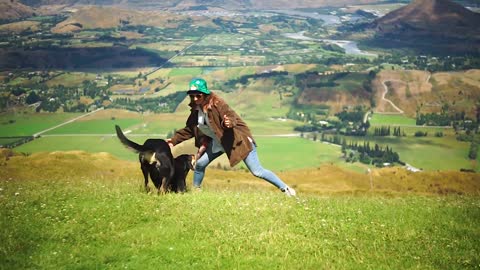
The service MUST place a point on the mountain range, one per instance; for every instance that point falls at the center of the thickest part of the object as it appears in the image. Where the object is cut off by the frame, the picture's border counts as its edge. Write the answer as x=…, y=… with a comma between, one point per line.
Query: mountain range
x=186, y=4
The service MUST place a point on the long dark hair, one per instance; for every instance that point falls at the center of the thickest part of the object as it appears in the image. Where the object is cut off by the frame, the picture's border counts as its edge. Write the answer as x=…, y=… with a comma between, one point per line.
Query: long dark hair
x=208, y=102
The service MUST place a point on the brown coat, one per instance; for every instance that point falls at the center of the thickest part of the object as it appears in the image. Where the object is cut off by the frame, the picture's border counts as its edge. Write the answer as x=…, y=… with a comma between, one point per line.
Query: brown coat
x=234, y=140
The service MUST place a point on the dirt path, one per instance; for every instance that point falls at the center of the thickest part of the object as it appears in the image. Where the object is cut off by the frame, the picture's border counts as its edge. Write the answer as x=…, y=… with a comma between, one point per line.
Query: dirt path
x=388, y=100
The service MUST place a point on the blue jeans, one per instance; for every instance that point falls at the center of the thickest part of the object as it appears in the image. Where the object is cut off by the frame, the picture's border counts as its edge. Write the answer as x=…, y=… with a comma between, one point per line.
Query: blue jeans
x=252, y=162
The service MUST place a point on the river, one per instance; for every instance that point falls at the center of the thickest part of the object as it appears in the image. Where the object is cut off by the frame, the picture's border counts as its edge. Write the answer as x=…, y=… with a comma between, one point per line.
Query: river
x=349, y=46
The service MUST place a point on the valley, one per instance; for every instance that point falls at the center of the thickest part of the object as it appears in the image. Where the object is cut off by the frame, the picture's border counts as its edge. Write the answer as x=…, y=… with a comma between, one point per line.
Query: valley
x=303, y=65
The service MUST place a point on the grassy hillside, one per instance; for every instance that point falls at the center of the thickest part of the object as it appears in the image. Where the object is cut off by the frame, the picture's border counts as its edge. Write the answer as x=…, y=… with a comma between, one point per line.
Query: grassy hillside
x=80, y=210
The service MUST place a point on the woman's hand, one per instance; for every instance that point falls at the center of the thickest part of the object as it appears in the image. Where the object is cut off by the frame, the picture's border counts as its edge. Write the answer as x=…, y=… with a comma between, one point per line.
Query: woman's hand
x=169, y=141
x=227, y=122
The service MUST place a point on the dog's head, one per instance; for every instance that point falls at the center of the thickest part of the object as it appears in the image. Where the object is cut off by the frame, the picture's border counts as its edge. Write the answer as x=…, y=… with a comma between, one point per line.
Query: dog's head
x=185, y=161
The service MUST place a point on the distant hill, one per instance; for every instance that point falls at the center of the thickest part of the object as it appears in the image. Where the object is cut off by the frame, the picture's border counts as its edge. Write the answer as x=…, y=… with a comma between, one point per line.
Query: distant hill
x=448, y=25
x=13, y=10
x=98, y=17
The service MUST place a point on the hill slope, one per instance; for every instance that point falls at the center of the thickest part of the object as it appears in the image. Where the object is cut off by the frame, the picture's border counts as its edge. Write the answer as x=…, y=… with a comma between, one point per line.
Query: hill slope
x=419, y=91
x=327, y=179
x=13, y=10
x=426, y=22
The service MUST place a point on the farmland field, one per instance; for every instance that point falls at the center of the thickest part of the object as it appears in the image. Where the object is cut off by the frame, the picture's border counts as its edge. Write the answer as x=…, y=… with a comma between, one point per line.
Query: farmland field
x=95, y=134
x=275, y=153
x=93, y=126
x=391, y=120
x=428, y=153
x=27, y=124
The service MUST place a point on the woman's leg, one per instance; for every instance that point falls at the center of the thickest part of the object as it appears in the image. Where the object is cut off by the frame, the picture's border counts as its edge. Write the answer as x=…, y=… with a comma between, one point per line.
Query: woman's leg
x=253, y=164
x=202, y=164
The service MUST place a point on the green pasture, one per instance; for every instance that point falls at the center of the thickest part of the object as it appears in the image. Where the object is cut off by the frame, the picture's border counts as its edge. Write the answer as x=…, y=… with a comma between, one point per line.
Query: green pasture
x=91, y=144
x=391, y=120
x=428, y=153
x=431, y=131
x=185, y=71
x=234, y=40
x=27, y=124
x=19, y=81
x=282, y=153
x=109, y=223
x=271, y=126
x=95, y=126
x=70, y=79
x=237, y=72
x=164, y=125
x=276, y=153
x=258, y=105
x=158, y=126
x=292, y=153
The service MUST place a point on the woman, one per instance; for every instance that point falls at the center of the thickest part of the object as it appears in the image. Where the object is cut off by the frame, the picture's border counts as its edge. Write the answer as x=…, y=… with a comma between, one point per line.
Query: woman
x=217, y=129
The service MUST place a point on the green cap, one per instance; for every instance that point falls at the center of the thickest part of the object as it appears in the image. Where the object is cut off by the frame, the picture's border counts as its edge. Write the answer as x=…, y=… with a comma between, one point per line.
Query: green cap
x=198, y=85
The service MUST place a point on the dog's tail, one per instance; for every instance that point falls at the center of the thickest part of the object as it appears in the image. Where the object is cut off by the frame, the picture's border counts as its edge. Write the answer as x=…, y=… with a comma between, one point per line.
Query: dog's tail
x=125, y=141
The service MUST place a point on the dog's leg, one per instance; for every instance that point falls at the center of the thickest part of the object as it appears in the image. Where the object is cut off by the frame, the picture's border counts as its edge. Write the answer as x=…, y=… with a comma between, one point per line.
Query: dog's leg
x=145, y=176
x=161, y=188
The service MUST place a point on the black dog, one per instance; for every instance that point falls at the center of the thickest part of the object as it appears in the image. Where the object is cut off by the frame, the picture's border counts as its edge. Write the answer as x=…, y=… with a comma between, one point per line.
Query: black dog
x=156, y=160
x=183, y=164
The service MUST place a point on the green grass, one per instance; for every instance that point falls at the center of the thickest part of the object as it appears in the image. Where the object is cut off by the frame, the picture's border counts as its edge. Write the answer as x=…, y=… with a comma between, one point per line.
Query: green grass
x=109, y=223
x=391, y=120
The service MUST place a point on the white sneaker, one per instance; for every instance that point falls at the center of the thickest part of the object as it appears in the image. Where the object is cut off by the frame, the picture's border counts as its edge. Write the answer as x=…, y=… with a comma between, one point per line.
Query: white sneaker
x=290, y=192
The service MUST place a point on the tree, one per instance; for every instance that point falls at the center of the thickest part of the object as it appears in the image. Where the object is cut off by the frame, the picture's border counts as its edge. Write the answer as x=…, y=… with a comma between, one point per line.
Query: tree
x=472, y=153
x=32, y=98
